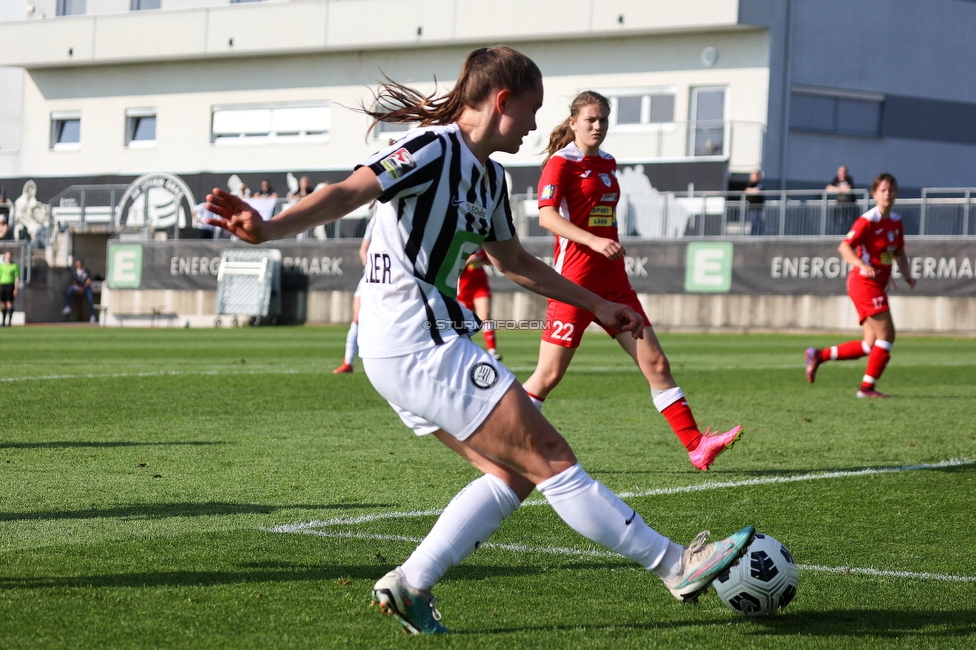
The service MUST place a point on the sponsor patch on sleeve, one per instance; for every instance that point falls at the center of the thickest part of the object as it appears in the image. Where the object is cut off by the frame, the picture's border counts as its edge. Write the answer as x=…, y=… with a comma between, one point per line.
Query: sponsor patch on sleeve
x=399, y=163
x=850, y=234
x=548, y=192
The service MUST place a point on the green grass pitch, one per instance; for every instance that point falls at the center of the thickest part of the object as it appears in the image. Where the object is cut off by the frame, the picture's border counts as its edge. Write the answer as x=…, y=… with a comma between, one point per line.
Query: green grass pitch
x=142, y=473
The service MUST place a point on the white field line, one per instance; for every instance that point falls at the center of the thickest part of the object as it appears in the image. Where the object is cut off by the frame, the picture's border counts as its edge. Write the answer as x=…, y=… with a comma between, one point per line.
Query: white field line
x=325, y=371
x=316, y=527
x=624, y=367
x=154, y=373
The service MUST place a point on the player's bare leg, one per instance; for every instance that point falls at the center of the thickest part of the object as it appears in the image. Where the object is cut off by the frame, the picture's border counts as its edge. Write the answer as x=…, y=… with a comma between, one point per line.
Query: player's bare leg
x=352, y=343
x=553, y=362
x=879, y=332
x=482, y=307
x=671, y=402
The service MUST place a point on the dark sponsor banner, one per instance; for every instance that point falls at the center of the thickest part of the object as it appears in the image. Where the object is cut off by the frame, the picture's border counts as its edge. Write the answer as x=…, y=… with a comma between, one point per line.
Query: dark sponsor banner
x=765, y=267
x=194, y=264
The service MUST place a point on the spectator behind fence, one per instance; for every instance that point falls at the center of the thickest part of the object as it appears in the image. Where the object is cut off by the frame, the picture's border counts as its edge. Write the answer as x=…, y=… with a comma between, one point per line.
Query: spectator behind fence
x=266, y=190
x=5, y=231
x=304, y=189
x=200, y=215
x=846, y=211
x=80, y=283
x=755, y=199
x=9, y=284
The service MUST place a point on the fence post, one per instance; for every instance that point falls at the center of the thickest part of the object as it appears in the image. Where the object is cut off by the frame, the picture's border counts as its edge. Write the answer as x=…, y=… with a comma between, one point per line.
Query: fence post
x=82, y=203
x=782, y=213
x=823, y=213
x=111, y=201
x=965, y=213
x=921, y=217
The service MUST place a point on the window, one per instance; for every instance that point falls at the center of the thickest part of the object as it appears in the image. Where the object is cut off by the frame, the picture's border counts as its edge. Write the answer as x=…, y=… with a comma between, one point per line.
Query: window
x=641, y=107
x=65, y=130
x=140, y=127
x=142, y=5
x=707, y=122
x=71, y=7
x=262, y=124
x=825, y=111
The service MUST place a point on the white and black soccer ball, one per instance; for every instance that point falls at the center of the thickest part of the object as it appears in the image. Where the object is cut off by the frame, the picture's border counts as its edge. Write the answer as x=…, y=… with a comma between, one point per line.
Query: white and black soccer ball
x=764, y=580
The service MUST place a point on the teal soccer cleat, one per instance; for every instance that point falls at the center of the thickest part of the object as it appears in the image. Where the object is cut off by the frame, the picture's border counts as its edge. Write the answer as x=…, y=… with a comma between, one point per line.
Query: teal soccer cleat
x=702, y=563
x=413, y=609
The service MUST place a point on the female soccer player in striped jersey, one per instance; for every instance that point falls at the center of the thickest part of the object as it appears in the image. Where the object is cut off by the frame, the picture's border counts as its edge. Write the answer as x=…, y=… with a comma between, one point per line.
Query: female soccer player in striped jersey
x=578, y=195
x=450, y=197
x=880, y=240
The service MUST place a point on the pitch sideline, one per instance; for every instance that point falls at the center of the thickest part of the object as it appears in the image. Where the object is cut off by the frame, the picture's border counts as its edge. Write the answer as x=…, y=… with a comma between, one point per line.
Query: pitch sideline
x=316, y=527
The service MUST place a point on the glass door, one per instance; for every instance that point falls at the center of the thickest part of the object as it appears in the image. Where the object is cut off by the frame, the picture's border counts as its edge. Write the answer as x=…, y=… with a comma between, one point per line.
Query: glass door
x=707, y=127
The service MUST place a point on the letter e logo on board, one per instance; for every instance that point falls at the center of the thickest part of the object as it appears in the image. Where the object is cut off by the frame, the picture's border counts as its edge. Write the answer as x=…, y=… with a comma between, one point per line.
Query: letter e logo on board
x=708, y=267
x=125, y=266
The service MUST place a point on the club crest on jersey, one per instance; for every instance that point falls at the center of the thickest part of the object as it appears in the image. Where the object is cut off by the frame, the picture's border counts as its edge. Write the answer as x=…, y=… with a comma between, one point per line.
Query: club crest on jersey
x=891, y=236
x=484, y=375
x=548, y=192
x=399, y=163
x=609, y=196
x=606, y=179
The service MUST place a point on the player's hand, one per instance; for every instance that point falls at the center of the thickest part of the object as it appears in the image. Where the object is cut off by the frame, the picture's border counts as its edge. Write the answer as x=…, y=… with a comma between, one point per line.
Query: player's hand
x=236, y=217
x=620, y=318
x=609, y=248
x=868, y=271
x=911, y=282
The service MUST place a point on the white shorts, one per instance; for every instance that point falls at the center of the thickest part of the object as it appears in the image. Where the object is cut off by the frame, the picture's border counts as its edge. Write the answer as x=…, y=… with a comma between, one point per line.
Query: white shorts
x=453, y=386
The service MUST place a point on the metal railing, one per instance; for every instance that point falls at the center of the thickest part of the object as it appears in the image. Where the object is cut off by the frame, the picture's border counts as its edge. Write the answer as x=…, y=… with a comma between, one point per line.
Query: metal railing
x=648, y=215
x=791, y=213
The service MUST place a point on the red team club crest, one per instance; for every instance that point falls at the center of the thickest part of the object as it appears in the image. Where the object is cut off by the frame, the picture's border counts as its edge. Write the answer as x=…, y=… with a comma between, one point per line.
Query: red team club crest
x=399, y=163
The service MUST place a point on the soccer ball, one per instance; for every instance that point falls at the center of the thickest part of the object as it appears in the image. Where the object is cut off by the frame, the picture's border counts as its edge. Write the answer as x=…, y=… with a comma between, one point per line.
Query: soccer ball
x=763, y=581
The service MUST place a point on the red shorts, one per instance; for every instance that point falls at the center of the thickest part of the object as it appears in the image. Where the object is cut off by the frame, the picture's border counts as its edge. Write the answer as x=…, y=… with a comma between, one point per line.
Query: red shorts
x=869, y=298
x=473, y=284
x=565, y=324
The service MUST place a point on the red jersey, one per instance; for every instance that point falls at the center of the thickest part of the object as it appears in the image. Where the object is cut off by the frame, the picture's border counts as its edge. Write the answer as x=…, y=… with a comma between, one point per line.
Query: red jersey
x=876, y=240
x=584, y=190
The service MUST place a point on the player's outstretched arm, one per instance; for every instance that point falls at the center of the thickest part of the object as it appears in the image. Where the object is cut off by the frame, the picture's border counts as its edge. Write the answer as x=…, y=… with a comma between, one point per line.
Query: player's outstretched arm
x=550, y=219
x=527, y=271
x=322, y=206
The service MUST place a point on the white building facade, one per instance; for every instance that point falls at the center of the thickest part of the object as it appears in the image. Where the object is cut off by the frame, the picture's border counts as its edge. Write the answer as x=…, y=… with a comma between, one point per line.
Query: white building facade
x=703, y=91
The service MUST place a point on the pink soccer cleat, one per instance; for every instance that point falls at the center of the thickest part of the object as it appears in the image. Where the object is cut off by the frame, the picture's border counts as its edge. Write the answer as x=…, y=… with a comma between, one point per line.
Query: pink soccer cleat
x=813, y=362
x=870, y=393
x=710, y=446
x=343, y=369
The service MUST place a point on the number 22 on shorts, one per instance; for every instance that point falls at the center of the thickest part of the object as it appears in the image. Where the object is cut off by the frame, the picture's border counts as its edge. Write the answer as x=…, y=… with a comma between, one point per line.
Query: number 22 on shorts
x=562, y=331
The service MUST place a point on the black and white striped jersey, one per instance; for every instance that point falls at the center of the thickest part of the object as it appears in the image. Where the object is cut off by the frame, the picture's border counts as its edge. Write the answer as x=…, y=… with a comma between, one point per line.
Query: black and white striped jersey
x=439, y=204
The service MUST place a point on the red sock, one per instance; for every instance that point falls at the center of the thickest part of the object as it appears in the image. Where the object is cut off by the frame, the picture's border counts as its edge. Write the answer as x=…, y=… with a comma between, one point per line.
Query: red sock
x=845, y=351
x=878, y=359
x=683, y=422
x=489, y=338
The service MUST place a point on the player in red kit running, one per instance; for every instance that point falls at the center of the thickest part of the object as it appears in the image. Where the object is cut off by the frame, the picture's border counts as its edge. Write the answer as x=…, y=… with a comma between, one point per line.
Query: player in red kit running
x=578, y=195
x=879, y=238
x=474, y=292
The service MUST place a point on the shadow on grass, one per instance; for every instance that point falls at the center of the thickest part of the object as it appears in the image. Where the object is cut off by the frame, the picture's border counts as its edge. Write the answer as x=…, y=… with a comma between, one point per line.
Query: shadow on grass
x=166, y=510
x=257, y=572
x=833, y=624
x=67, y=444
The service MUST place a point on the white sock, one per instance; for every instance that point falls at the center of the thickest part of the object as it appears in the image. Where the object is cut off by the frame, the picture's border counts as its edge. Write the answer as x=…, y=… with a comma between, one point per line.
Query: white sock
x=468, y=520
x=598, y=514
x=670, y=566
x=537, y=401
x=352, y=343
x=665, y=397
